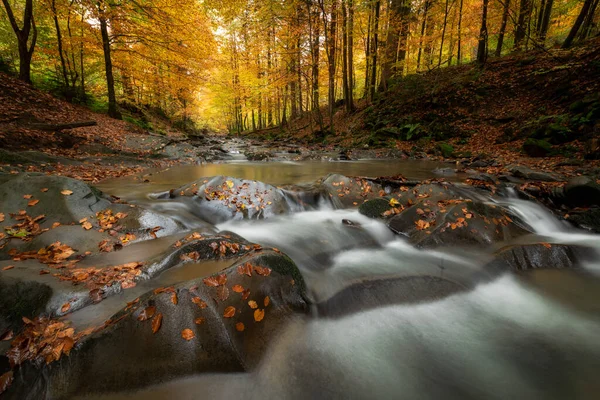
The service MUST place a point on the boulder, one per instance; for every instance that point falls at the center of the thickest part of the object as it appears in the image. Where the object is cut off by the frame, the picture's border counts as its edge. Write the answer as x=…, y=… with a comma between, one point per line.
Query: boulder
x=582, y=191
x=221, y=323
x=536, y=148
x=522, y=172
x=220, y=198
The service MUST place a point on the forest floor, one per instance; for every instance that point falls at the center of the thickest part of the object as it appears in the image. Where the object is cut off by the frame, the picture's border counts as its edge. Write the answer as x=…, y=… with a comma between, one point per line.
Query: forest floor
x=480, y=117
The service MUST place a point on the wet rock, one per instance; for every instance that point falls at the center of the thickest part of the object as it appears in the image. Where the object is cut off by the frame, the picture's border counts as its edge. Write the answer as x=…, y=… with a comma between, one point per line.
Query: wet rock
x=376, y=207
x=536, y=256
x=203, y=330
x=519, y=171
x=582, y=191
x=345, y=192
x=65, y=205
x=221, y=198
x=586, y=219
x=259, y=156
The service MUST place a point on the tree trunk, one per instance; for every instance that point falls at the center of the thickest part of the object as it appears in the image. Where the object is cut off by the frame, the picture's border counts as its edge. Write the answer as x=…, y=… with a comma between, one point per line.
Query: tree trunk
x=345, y=84
x=391, y=43
x=459, y=39
x=59, y=42
x=110, y=80
x=523, y=22
x=331, y=61
x=350, y=59
x=374, y=51
x=587, y=5
x=505, y=12
x=423, y=26
x=588, y=22
x=443, y=34
x=25, y=50
x=546, y=20
x=483, y=35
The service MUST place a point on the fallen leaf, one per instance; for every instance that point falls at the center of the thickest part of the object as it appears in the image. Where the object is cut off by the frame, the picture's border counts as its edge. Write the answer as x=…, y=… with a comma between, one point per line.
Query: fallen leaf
x=147, y=313
x=66, y=192
x=32, y=203
x=222, y=293
x=238, y=288
x=187, y=334
x=267, y=301
x=87, y=225
x=174, y=298
x=156, y=322
x=229, y=184
x=229, y=312
x=8, y=335
x=253, y=304
x=6, y=380
x=246, y=294
x=8, y=267
x=199, y=321
x=27, y=196
x=259, y=315
x=96, y=295
x=44, y=190
x=546, y=245
x=240, y=327
x=201, y=303
x=66, y=307
x=2, y=217
x=211, y=281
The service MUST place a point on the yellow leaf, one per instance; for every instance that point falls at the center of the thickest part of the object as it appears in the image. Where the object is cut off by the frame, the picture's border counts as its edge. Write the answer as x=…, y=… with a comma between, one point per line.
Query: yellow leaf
x=394, y=202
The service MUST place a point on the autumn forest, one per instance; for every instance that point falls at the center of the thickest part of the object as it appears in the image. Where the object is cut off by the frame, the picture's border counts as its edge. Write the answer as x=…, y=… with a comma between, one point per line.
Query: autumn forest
x=299, y=199
x=249, y=65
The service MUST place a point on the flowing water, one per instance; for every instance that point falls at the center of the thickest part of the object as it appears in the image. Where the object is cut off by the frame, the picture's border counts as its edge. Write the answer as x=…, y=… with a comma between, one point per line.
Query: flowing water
x=519, y=336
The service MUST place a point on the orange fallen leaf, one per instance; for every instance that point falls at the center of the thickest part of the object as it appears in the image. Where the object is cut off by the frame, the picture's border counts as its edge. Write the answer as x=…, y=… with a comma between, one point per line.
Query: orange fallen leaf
x=6, y=380
x=238, y=288
x=174, y=298
x=44, y=190
x=259, y=315
x=87, y=226
x=229, y=312
x=546, y=245
x=199, y=321
x=201, y=303
x=8, y=267
x=66, y=307
x=267, y=301
x=222, y=293
x=27, y=196
x=147, y=313
x=2, y=217
x=66, y=192
x=32, y=203
x=187, y=334
x=156, y=322
x=240, y=327
x=253, y=304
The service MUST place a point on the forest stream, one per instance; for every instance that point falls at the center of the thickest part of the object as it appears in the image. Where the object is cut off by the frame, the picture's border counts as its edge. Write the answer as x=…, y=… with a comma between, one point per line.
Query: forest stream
x=439, y=307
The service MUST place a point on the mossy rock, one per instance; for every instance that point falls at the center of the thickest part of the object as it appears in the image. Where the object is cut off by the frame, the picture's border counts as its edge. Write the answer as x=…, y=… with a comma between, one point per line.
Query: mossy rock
x=536, y=148
x=446, y=149
x=375, y=208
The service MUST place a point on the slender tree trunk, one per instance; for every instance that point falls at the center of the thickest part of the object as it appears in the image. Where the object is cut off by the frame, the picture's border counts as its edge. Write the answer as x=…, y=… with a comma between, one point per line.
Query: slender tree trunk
x=345, y=80
x=368, y=50
x=374, y=50
x=483, y=35
x=459, y=39
x=587, y=5
x=588, y=23
x=443, y=34
x=331, y=62
x=350, y=58
x=546, y=20
x=59, y=42
x=423, y=26
x=391, y=43
x=523, y=22
x=110, y=80
x=502, y=32
x=83, y=94
x=25, y=49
